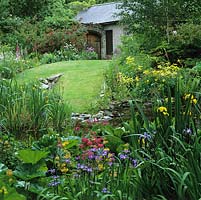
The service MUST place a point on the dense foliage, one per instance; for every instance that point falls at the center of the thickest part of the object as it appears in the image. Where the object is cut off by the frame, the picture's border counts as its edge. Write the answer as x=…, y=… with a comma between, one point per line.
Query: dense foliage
x=40, y=26
x=154, y=154
x=165, y=25
x=145, y=158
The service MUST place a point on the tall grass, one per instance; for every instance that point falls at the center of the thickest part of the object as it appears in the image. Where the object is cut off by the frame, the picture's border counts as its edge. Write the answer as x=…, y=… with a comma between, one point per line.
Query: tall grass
x=27, y=109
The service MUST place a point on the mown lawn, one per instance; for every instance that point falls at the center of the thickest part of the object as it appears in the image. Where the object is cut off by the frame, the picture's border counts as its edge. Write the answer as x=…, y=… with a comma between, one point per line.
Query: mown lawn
x=81, y=83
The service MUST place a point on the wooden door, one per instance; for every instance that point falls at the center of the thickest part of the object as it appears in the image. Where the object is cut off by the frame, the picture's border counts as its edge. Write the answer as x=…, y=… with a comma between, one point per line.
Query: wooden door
x=94, y=40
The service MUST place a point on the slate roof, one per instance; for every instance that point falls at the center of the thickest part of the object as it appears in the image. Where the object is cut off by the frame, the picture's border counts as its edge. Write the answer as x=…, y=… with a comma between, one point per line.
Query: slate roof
x=100, y=14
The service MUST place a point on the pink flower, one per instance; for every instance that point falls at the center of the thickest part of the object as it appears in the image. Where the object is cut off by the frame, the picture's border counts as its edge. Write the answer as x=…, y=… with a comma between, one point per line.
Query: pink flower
x=77, y=128
x=85, y=140
x=100, y=145
x=89, y=143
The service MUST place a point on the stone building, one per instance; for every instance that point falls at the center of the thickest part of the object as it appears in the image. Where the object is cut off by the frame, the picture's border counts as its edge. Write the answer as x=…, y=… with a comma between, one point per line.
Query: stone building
x=104, y=31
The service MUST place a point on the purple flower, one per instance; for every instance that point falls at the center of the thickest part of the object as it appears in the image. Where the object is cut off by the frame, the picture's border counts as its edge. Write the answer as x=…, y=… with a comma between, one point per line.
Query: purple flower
x=134, y=162
x=123, y=156
x=52, y=171
x=89, y=169
x=77, y=158
x=54, y=183
x=90, y=49
x=91, y=157
x=104, y=190
x=104, y=153
x=98, y=158
x=78, y=166
x=93, y=149
x=82, y=167
x=126, y=151
x=67, y=161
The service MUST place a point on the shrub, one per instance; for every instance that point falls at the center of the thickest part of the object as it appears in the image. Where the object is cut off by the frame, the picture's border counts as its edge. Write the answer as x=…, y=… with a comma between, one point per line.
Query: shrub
x=129, y=80
x=69, y=52
x=48, y=58
x=88, y=54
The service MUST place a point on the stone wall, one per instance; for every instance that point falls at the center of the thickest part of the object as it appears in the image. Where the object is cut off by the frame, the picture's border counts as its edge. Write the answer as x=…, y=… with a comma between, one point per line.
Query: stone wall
x=118, y=31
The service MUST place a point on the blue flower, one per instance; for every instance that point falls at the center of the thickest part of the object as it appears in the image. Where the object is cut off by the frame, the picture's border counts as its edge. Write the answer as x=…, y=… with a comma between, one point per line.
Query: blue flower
x=105, y=191
x=134, y=162
x=145, y=135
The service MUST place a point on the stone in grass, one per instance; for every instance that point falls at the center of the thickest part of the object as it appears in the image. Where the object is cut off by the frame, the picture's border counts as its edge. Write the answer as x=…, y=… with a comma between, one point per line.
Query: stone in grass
x=107, y=118
x=49, y=82
x=85, y=116
x=44, y=86
x=100, y=114
x=54, y=78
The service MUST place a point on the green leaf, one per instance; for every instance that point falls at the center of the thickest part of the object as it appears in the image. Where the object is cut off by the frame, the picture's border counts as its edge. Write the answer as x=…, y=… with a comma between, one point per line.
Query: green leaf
x=2, y=167
x=145, y=119
x=72, y=143
x=113, y=142
x=27, y=171
x=35, y=188
x=31, y=156
x=197, y=67
x=119, y=131
x=27, y=176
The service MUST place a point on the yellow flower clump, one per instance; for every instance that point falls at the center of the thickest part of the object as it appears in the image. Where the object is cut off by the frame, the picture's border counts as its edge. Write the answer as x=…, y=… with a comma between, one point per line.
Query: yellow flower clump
x=3, y=190
x=67, y=155
x=163, y=71
x=65, y=143
x=163, y=110
x=100, y=167
x=193, y=100
x=137, y=78
x=124, y=79
x=130, y=60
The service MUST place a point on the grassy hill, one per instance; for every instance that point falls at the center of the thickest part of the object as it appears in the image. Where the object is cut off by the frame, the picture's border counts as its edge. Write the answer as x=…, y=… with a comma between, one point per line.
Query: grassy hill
x=81, y=83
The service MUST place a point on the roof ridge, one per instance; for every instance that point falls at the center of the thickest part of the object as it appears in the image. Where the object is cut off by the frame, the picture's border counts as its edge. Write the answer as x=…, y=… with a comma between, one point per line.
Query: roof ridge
x=107, y=3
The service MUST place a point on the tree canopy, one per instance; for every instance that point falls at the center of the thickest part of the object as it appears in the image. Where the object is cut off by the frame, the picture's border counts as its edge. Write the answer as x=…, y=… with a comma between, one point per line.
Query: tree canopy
x=159, y=15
